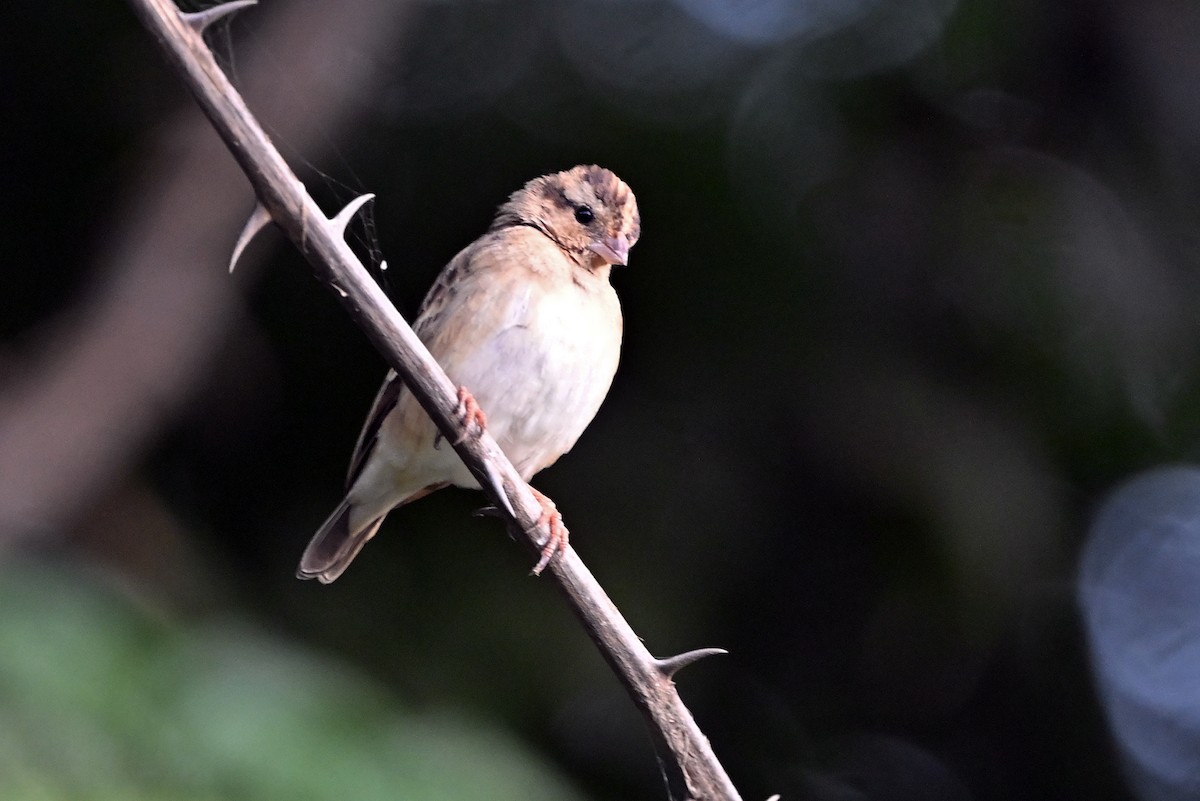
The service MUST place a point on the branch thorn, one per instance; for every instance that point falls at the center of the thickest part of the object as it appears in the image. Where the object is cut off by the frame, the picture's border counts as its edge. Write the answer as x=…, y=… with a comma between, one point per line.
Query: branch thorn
x=258, y=220
x=670, y=665
x=198, y=21
x=343, y=217
x=497, y=485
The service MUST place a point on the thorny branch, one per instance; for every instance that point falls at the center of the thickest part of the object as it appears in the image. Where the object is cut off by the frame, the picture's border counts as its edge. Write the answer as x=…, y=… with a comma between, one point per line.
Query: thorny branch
x=91, y=389
x=690, y=768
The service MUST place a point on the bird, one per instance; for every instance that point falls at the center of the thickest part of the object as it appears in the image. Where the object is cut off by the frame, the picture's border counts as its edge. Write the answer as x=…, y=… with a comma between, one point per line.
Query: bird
x=527, y=325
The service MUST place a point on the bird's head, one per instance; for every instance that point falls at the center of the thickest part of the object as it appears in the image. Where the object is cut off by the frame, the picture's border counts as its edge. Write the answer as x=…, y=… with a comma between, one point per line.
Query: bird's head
x=587, y=210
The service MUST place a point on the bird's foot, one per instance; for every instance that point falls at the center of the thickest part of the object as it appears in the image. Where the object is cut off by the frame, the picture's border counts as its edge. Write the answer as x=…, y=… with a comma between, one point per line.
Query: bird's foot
x=474, y=421
x=557, y=534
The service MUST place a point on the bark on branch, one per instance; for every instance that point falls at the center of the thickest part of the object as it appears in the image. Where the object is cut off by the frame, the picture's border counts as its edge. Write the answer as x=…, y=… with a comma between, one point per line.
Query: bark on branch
x=689, y=765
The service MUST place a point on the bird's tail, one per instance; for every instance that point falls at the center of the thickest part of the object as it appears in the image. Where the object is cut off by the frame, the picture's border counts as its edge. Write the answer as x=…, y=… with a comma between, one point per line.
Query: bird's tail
x=334, y=546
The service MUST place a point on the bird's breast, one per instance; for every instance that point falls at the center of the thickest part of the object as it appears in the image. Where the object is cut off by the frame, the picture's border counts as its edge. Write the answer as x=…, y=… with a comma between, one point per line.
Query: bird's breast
x=542, y=377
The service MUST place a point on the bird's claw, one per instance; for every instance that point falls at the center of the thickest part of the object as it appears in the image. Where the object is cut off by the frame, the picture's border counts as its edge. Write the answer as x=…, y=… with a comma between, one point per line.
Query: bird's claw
x=488, y=511
x=557, y=535
x=474, y=421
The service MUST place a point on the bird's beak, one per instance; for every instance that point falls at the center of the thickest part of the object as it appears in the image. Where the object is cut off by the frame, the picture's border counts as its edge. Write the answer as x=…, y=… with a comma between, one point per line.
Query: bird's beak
x=613, y=249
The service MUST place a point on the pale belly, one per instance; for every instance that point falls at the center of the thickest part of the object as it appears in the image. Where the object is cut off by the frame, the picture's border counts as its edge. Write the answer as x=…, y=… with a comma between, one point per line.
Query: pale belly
x=539, y=399
x=540, y=382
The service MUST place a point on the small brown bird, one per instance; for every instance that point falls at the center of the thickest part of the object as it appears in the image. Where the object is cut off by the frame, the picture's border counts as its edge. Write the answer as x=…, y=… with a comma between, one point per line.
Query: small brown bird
x=525, y=322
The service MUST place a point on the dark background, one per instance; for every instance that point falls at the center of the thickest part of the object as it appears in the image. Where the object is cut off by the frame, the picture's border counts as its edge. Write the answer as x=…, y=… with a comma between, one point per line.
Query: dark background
x=915, y=290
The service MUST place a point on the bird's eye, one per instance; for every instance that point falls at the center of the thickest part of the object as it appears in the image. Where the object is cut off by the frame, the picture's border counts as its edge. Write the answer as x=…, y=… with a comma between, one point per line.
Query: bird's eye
x=584, y=215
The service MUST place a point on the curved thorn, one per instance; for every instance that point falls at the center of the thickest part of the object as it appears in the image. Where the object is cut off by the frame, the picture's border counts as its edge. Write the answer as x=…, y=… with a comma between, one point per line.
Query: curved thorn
x=670, y=665
x=342, y=219
x=199, y=20
x=497, y=485
x=258, y=221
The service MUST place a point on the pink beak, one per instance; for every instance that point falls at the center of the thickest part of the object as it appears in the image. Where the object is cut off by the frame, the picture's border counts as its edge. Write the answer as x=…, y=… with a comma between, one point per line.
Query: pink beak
x=613, y=249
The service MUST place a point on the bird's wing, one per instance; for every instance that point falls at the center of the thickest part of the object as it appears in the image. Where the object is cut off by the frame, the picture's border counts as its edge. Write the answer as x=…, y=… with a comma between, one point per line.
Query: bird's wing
x=446, y=314
x=483, y=291
x=385, y=401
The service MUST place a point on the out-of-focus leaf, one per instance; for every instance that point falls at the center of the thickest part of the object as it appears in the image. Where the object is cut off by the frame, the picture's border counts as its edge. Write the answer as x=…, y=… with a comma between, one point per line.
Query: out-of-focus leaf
x=99, y=700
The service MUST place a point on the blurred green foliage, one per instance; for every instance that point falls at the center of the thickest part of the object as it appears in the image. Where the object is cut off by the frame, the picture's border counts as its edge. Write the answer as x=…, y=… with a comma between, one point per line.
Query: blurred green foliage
x=103, y=697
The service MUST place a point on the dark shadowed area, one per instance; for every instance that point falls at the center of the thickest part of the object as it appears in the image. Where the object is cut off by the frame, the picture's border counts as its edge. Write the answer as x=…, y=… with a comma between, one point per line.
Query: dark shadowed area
x=916, y=292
